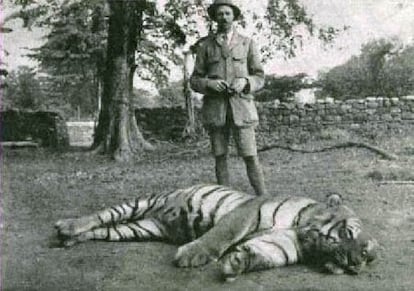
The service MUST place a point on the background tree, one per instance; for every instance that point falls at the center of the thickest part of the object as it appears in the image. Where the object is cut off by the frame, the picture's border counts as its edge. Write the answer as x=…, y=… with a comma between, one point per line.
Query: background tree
x=383, y=68
x=374, y=56
x=281, y=88
x=398, y=73
x=23, y=90
x=117, y=133
x=73, y=56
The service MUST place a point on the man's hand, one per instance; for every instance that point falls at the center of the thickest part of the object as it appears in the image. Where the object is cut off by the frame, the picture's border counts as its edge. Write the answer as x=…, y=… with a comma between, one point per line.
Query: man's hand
x=218, y=86
x=238, y=85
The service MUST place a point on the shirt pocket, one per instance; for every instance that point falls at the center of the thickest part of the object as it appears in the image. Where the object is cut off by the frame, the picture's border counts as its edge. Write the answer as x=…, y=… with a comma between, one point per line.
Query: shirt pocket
x=214, y=66
x=239, y=57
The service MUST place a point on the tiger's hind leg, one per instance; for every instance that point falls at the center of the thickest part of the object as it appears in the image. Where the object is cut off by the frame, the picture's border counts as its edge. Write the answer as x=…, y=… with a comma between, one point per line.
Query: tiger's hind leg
x=75, y=226
x=140, y=230
x=274, y=249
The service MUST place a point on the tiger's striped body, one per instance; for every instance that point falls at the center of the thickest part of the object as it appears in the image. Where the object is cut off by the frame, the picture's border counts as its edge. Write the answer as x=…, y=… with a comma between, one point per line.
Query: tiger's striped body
x=244, y=232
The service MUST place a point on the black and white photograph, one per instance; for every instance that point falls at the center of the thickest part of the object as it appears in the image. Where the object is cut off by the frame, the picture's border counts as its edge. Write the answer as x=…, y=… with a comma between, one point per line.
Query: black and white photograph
x=207, y=145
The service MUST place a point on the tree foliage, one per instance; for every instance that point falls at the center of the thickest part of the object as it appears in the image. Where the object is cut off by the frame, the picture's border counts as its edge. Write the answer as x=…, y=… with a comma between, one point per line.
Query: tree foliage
x=399, y=73
x=275, y=25
x=164, y=32
x=382, y=69
x=23, y=90
x=73, y=55
x=281, y=88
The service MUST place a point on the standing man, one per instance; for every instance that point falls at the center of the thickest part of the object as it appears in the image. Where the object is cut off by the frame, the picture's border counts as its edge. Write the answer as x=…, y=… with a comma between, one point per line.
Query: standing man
x=227, y=71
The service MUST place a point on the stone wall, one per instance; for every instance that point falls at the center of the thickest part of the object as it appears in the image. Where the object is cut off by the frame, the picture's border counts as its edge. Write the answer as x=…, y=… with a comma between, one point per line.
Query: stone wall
x=296, y=122
x=166, y=123
x=47, y=128
x=80, y=133
x=286, y=122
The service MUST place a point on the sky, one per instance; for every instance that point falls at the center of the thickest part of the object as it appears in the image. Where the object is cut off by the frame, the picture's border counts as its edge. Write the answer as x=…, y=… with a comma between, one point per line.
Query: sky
x=368, y=19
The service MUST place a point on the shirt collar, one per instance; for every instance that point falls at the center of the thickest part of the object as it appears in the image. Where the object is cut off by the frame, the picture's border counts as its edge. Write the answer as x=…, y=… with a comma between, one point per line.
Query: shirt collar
x=229, y=35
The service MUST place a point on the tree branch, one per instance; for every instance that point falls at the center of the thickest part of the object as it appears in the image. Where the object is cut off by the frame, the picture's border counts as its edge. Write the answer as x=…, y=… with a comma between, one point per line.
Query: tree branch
x=375, y=149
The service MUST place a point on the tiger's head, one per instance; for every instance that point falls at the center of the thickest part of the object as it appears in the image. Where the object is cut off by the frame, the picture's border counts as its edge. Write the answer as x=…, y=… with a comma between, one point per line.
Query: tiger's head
x=336, y=238
x=343, y=248
x=352, y=254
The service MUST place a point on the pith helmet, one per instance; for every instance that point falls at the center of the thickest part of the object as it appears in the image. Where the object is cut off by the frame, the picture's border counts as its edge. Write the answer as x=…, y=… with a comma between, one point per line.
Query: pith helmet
x=213, y=7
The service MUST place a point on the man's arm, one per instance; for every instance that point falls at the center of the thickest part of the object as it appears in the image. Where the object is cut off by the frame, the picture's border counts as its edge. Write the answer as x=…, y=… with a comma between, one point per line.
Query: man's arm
x=255, y=68
x=198, y=79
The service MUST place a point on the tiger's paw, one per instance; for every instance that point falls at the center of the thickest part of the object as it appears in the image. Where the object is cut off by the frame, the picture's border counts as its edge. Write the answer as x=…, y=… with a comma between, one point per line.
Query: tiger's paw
x=234, y=264
x=73, y=226
x=71, y=241
x=191, y=255
x=332, y=268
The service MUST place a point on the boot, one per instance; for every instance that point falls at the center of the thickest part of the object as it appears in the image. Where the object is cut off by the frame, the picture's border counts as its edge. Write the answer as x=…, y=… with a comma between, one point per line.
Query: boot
x=222, y=171
x=255, y=174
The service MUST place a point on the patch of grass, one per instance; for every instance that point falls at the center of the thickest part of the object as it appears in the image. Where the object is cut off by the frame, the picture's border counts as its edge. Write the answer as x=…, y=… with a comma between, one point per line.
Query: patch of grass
x=40, y=187
x=403, y=174
x=334, y=134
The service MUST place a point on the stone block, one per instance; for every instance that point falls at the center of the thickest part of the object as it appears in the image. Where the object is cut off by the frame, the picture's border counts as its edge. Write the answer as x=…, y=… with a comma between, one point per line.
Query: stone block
x=317, y=119
x=395, y=110
x=372, y=104
x=395, y=101
x=301, y=112
x=360, y=117
x=359, y=105
x=294, y=119
x=286, y=119
x=345, y=107
x=351, y=101
x=386, y=117
x=407, y=116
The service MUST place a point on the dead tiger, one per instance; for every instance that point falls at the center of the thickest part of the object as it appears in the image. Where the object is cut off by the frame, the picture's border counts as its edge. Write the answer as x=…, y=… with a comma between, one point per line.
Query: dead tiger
x=243, y=232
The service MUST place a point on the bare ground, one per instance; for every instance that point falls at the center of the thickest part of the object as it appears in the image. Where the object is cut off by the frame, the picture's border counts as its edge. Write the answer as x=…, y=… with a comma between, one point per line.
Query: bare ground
x=39, y=187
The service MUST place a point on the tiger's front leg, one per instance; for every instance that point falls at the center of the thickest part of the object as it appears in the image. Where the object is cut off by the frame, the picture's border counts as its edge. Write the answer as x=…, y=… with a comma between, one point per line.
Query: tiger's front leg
x=274, y=249
x=229, y=230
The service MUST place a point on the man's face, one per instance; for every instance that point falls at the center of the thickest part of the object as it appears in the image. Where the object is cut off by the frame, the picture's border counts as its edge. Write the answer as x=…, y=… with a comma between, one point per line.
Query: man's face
x=224, y=17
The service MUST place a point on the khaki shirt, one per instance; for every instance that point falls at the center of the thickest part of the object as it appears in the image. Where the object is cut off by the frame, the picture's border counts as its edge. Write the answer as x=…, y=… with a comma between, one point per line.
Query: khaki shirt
x=240, y=60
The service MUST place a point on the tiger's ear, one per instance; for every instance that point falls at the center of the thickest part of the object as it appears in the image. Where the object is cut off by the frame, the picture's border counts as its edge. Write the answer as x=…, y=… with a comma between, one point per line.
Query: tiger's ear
x=334, y=200
x=372, y=250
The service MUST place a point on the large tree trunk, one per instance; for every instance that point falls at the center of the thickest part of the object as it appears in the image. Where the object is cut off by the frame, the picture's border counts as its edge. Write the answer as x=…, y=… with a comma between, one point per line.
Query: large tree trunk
x=117, y=133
